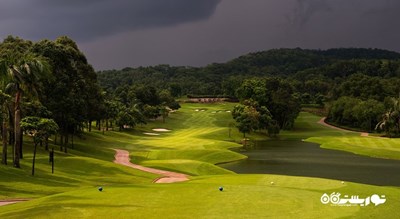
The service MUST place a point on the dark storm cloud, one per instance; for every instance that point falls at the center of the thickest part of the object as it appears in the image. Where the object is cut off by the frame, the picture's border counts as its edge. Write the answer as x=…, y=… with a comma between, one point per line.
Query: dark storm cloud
x=239, y=26
x=305, y=9
x=88, y=19
x=344, y=23
x=361, y=11
x=120, y=33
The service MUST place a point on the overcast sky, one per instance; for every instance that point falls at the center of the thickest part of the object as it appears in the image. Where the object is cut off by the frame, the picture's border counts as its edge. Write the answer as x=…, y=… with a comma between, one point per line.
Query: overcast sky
x=120, y=33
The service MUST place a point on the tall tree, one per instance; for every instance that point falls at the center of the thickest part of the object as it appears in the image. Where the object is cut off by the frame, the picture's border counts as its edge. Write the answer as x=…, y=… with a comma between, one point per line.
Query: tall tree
x=24, y=72
x=4, y=101
x=40, y=129
x=246, y=117
x=74, y=95
x=390, y=121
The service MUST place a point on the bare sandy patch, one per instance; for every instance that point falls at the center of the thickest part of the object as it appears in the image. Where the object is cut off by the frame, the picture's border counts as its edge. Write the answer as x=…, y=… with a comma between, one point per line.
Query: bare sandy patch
x=161, y=130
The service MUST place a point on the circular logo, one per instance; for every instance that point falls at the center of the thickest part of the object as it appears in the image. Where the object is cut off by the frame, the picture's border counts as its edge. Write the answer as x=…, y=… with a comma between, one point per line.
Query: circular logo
x=325, y=199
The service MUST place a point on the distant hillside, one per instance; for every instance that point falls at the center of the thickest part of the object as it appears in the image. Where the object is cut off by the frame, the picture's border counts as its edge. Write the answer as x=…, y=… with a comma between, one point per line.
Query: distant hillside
x=217, y=79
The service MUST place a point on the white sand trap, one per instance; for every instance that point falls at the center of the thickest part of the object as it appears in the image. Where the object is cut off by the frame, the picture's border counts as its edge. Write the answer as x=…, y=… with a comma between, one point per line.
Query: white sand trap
x=161, y=130
x=197, y=110
x=149, y=133
x=202, y=110
x=228, y=111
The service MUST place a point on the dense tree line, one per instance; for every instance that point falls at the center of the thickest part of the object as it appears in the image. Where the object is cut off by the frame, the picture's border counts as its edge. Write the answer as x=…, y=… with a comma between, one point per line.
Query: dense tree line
x=222, y=79
x=276, y=95
x=52, y=81
x=134, y=105
x=364, y=77
x=49, y=88
x=44, y=80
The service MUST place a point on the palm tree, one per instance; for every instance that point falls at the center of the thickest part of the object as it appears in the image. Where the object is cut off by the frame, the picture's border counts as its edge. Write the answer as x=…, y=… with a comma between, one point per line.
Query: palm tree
x=4, y=100
x=23, y=73
x=390, y=121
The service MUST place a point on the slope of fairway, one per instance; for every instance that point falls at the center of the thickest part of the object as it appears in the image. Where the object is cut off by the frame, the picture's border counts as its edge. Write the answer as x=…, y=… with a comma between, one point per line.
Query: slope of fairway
x=89, y=163
x=71, y=170
x=244, y=196
x=192, y=167
x=199, y=138
x=70, y=173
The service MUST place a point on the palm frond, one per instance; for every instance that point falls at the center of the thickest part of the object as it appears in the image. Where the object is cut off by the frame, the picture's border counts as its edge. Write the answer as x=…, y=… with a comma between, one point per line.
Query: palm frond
x=11, y=88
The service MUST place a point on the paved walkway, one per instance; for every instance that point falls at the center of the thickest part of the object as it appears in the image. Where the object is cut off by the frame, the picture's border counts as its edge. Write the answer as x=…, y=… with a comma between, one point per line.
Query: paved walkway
x=11, y=201
x=122, y=157
x=322, y=122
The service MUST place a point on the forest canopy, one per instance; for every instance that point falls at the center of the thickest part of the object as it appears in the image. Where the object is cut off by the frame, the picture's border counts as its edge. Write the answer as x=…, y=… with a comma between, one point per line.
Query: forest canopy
x=325, y=78
x=52, y=81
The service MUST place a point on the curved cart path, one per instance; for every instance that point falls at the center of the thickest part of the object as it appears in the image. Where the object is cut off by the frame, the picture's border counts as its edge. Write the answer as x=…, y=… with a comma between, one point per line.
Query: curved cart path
x=11, y=201
x=122, y=157
x=322, y=122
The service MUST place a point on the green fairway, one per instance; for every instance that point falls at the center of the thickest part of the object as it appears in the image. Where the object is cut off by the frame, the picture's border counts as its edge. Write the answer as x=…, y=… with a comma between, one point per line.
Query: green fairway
x=199, y=138
x=368, y=146
x=245, y=196
x=196, y=141
x=71, y=172
x=89, y=163
x=307, y=128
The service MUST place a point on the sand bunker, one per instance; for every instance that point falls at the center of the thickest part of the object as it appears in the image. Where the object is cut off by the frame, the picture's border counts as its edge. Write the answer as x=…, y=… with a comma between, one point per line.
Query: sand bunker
x=200, y=109
x=149, y=133
x=161, y=130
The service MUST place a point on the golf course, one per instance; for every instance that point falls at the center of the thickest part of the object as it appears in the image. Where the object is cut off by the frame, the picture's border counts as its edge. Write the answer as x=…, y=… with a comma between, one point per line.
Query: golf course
x=198, y=142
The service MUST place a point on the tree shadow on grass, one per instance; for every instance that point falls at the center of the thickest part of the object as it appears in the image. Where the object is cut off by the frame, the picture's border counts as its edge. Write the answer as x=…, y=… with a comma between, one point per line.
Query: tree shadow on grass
x=46, y=211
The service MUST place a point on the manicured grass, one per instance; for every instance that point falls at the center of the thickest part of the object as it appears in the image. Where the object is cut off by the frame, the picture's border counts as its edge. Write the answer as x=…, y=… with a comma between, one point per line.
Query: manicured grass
x=89, y=162
x=307, y=128
x=197, y=141
x=244, y=196
x=71, y=170
x=368, y=146
x=199, y=138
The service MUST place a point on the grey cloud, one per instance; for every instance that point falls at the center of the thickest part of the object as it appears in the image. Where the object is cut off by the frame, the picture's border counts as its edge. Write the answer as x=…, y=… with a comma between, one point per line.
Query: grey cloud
x=305, y=9
x=88, y=19
x=120, y=33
